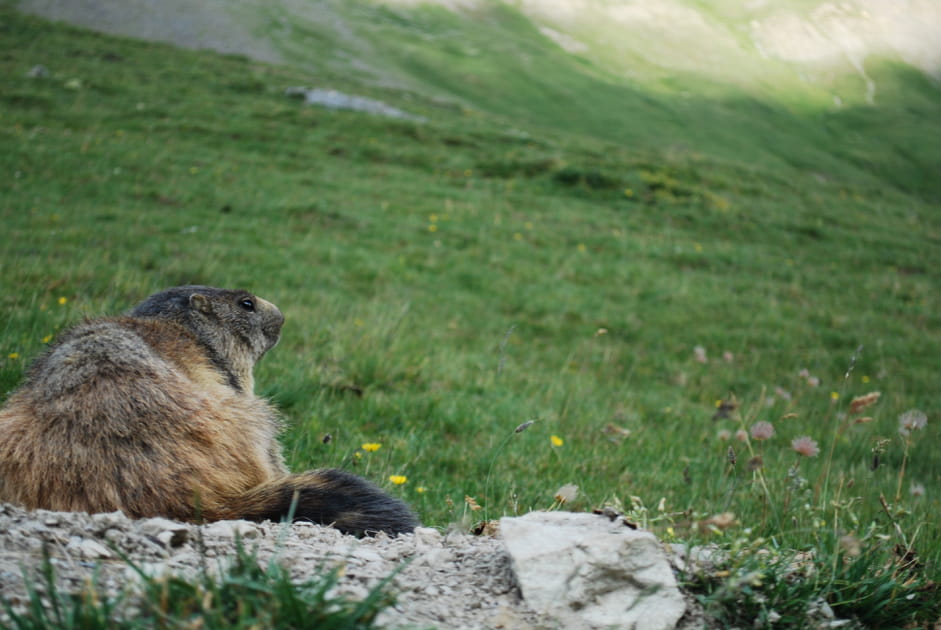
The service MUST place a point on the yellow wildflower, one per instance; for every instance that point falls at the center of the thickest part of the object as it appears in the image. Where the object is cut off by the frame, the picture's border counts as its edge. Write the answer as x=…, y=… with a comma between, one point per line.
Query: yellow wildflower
x=421, y=489
x=372, y=447
x=398, y=479
x=556, y=440
x=13, y=355
x=47, y=339
x=63, y=300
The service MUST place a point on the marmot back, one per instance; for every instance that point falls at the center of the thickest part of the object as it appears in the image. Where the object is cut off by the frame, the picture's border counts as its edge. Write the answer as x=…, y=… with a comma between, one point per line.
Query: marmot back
x=154, y=414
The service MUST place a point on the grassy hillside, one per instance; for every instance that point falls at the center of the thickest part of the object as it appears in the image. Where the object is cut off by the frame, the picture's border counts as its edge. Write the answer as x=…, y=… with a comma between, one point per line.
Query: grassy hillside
x=707, y=93
x=534, y=258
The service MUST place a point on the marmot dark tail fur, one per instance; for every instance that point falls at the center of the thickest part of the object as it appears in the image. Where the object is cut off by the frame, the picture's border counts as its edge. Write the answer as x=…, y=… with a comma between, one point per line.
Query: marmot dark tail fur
x=154, y=414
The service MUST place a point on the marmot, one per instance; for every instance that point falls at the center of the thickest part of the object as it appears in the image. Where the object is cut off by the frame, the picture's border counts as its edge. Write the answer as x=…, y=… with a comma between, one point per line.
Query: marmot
x=154, y=414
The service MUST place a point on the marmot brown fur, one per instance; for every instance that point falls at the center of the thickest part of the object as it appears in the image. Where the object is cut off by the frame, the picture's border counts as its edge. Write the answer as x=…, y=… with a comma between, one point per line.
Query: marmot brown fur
x=154, y=414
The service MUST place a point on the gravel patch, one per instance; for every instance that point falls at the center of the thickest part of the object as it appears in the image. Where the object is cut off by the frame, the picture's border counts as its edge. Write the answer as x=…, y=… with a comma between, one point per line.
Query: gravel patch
x=448, y=581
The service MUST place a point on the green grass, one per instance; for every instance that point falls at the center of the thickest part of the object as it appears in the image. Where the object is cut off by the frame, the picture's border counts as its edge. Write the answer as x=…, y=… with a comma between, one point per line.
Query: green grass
x=445, y=282
x=732, y=105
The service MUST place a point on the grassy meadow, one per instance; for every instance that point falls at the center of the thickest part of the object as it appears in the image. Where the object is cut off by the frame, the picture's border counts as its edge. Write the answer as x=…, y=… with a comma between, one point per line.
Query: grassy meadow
x=531, y=258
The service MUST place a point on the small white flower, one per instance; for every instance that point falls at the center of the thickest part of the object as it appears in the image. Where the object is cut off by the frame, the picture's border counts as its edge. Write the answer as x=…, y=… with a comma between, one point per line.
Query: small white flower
x=912, y=420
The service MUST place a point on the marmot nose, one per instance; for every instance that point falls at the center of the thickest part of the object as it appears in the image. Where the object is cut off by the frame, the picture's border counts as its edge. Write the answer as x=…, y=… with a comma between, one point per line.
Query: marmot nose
x=273, y=315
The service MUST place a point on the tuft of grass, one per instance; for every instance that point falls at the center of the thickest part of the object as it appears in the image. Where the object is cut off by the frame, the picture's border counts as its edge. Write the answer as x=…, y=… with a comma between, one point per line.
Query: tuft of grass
x=764, y=588
x=48, y=608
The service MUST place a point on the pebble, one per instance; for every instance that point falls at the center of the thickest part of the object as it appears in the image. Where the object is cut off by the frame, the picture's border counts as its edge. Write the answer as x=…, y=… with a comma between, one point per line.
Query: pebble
x=231, y=529
x=89, y=549
x=38, y=71
x=427, y=536
x=109, y=520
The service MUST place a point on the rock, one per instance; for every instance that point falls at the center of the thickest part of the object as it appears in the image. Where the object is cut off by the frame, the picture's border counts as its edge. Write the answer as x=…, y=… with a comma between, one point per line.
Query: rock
x=229, y=530
x=169, y=533
x=433, y=557
x=820, y=616
x=38, y=71
x=51, y=519
x=427, y=536
x=364, y=555
x=89, y=549
x=590, y=572
x=699, y=559
x=109, y=520
x=332, y=99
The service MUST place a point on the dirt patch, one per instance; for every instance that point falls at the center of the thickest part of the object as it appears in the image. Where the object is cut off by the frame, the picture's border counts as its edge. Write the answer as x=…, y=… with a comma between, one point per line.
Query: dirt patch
x=208, y=24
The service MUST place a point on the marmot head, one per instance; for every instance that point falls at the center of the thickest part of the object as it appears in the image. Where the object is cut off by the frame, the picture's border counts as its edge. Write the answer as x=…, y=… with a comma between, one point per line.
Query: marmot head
x=220, y=318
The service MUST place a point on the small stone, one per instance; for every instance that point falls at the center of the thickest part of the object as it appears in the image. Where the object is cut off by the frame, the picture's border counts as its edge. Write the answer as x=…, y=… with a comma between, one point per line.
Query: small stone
x=170, y=539
x=395, y=552
x=819, y=610
x=169, y=533
x=332, y=99
x=366, y=556
x=38, y=71
x=427, y=536
x=434, y=557
x=455, y=537
x=108, y=520
x=231, y=529
x=90, y=549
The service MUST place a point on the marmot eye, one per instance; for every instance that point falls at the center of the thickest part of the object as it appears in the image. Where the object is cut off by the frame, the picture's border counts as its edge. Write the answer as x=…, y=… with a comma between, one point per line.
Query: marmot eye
x=248, y=305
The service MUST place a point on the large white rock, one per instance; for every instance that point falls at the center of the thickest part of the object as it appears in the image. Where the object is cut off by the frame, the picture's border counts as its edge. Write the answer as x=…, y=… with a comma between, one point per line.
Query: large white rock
x=590, y=572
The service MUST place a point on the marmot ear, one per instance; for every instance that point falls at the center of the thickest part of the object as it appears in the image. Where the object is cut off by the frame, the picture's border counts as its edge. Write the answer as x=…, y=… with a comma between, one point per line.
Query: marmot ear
x=201, y=303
